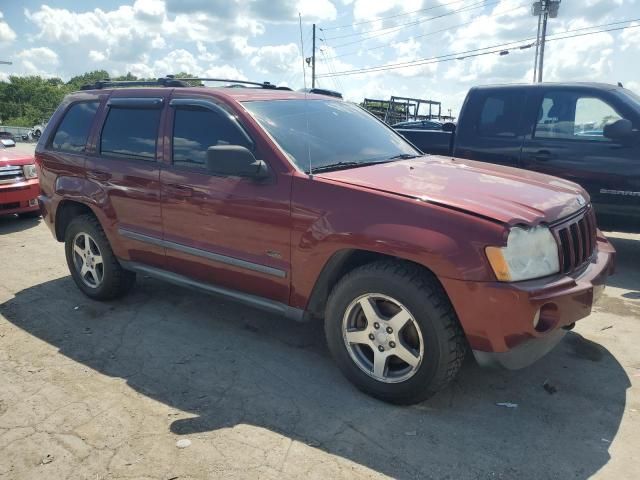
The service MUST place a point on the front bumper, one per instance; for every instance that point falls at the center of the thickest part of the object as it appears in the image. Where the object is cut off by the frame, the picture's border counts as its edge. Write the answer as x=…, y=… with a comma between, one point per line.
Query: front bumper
x=20, y=197
x=498, y=318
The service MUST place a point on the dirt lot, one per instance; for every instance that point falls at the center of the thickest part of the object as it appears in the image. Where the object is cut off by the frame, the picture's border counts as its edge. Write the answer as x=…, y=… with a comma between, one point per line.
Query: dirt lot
x=105, y=390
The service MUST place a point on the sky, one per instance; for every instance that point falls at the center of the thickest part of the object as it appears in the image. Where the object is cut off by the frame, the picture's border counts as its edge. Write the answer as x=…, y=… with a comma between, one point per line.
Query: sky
x=261, y=40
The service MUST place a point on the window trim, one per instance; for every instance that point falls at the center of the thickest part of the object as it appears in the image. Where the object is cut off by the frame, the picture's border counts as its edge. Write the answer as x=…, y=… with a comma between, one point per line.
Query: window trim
x=62, y=118
x=136, y=102
x=578, y=95
x=131, y=104
x=177, y=103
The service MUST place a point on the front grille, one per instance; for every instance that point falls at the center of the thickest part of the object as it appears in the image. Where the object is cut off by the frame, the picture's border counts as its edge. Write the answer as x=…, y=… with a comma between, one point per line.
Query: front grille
x=9, y=206
x=576, y=238
x=10, y=174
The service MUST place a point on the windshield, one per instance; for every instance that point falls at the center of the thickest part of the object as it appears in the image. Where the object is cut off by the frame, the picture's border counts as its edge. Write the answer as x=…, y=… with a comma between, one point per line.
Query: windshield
x=339, y=133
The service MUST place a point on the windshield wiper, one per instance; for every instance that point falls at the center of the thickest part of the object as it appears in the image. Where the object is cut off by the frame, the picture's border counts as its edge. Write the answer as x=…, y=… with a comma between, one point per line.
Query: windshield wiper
x=404, y=156
x=336, y=166
x=366, y=163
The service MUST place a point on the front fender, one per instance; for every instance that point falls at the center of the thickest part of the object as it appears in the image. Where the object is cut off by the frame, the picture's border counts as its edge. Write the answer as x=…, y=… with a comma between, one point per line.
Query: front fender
x=329, y=218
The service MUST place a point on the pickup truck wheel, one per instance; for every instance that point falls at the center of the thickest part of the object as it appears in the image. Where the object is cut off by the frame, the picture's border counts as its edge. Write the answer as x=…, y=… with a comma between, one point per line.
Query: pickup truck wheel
x=92, y=264
x=392, y=331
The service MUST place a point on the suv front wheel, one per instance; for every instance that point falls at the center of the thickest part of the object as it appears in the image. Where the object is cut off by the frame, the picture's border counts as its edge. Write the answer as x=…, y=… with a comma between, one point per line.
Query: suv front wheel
x=392, y=331
x=91, y=261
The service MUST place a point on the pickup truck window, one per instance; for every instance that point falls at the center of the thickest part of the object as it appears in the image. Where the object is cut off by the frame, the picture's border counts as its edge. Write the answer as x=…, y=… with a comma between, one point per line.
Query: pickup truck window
x=571, y=116
x=195, y=129
x=72, y=133
x=500, y=114
x=130, y=133
x=330, y=132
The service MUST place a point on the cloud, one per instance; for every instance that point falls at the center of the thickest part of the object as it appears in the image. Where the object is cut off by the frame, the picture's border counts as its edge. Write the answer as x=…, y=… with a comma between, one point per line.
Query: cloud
x=7, y=35
x=276, y=59
x=38, y=60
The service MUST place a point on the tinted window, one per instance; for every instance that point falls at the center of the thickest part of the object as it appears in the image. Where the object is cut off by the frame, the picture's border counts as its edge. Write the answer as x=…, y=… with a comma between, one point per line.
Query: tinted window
x=130, y=132
x=570, y=115
x=326, y=132
x=74, y=129
x=500, y=115
x=196, y=129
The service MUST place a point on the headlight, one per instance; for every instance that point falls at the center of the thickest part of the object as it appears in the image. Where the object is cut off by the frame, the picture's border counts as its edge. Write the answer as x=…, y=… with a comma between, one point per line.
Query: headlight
x=30, y=171
x=530, y=253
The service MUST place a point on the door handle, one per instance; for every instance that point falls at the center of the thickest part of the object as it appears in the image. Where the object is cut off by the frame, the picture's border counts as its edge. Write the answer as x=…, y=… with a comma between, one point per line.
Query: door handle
x=180, y=190
x=541, y=155
x=98, y=175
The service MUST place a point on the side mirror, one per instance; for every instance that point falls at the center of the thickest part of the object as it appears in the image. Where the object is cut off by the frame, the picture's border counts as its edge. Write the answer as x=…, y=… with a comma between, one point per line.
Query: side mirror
x=235, y=161
x=618, y=129
x=449, y=127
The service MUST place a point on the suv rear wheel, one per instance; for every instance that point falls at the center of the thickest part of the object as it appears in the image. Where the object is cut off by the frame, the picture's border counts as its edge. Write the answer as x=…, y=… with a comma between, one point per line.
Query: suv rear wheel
x=91, y=261
x=392, y=331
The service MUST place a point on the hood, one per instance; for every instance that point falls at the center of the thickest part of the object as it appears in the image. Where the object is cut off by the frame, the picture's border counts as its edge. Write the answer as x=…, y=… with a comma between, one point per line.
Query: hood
x=8, y=156
x=505, y=194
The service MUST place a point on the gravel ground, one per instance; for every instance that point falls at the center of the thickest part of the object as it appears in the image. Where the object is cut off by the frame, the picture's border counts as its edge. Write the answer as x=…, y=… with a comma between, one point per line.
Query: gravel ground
x=171, y=384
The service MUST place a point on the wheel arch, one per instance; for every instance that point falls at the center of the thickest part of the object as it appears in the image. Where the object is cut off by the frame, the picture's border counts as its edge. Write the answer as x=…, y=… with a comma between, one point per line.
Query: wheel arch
x=341, y=263
x=66, y=211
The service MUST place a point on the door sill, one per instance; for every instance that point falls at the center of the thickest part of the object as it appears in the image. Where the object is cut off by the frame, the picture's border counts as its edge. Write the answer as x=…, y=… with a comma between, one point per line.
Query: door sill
x=255, y=301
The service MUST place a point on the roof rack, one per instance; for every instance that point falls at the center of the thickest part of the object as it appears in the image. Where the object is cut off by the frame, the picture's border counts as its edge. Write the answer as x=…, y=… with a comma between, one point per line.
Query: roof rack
x=172, y=81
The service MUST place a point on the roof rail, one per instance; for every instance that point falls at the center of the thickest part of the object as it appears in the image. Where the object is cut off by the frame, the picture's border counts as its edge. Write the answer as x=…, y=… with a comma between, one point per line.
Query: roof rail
x=168, y=81
x=172, y=81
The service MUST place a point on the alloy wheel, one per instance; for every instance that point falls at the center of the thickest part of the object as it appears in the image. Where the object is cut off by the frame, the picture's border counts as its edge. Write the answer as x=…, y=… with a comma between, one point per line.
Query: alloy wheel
x=87, y=259
x=383, y=338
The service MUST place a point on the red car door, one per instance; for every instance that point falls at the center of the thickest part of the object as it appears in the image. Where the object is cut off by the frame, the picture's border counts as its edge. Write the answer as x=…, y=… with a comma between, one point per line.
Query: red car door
x=124, y=172
x=223, y=230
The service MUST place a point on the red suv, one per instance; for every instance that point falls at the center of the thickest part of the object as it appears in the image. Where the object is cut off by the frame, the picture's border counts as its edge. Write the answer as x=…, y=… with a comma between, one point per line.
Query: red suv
x=309, y=207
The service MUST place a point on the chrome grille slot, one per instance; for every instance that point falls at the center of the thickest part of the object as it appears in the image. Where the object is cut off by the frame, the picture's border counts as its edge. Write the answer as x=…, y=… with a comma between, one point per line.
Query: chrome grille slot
x=11, y=174
x=577, y=240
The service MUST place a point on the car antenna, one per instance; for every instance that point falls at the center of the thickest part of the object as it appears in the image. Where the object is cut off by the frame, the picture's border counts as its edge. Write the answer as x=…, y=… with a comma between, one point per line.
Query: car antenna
x=306, y=114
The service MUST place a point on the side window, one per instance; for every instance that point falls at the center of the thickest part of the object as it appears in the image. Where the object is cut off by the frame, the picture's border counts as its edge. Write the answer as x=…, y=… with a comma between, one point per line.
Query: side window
x=195, y=129
x=567, y=115
x=130, y=132
x=72, y=133
x=500, y=115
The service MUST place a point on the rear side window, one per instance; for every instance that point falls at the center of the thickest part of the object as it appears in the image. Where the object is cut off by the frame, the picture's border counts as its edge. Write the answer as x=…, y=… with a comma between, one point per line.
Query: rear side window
x=500, y=115
x=73, y=131
x=131, y=133
x=195, y=129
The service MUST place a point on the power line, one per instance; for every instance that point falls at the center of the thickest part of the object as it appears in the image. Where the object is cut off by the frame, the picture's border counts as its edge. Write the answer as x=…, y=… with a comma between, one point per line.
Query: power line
x=468, y=8
x=331, y=65
x=500, y=48
x=413, y=37
x=393, y=16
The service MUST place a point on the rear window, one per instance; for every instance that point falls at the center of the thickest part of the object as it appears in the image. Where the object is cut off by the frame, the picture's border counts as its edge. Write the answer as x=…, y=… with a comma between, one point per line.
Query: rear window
x=131, y=133
x=500, y=115
x=73, y=131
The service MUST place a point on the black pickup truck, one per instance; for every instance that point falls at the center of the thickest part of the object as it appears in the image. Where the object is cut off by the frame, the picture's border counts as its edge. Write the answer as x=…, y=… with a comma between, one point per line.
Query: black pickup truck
x=585, y=132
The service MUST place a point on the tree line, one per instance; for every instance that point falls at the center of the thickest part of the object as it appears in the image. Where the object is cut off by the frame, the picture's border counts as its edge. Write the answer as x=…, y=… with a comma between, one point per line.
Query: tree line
x=26, y=101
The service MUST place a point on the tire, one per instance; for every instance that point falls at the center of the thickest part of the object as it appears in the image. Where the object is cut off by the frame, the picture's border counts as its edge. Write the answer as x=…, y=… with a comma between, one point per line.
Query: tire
x=33, y=214
x=432, y=333
x=108, y=280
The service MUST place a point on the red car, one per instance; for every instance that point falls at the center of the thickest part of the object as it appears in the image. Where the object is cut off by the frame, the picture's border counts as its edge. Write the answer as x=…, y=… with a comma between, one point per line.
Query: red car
x=19, y=188
x=309, y=207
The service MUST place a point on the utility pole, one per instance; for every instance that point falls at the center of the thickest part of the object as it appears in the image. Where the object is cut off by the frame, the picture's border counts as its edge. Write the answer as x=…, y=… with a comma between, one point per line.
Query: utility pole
x=313, y=59
x=543, y=9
